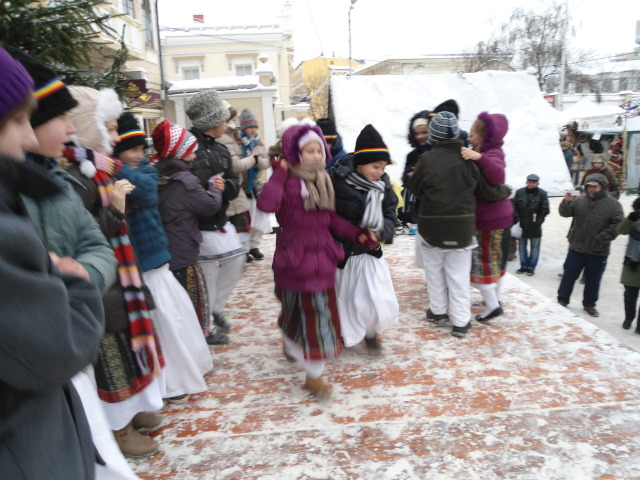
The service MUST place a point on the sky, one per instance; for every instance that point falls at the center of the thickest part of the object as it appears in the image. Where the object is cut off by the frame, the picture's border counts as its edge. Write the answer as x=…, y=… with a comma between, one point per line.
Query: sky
x=402, y=28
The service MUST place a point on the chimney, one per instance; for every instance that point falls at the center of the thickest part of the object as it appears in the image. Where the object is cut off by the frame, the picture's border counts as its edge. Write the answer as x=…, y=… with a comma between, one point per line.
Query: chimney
x=198, y=18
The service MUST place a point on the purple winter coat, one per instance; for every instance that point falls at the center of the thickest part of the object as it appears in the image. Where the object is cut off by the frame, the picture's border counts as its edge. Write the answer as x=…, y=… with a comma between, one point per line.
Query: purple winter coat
x=307, y=255
x=493, y=215
x=182, y=201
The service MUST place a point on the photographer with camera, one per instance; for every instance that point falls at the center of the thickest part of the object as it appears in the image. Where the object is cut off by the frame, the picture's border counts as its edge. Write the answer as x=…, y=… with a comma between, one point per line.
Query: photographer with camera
x=595, y=218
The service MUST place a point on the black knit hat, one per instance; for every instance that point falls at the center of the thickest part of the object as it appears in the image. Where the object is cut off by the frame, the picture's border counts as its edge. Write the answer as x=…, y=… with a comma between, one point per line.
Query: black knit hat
x=448, y=106
x=370, y=147
x=328, y=128
x=130, y=134
x=53, y=97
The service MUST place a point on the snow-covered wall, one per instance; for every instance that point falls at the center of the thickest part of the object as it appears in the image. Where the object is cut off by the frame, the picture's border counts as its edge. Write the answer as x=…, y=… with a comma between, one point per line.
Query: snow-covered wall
x=389, y=101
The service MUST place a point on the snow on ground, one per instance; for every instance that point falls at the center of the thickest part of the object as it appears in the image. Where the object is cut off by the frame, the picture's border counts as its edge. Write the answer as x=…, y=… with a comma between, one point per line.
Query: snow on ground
x=389, y=101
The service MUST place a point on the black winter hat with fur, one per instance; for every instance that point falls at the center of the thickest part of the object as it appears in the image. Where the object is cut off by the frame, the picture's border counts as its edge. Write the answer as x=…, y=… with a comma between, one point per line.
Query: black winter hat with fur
x=130, y=133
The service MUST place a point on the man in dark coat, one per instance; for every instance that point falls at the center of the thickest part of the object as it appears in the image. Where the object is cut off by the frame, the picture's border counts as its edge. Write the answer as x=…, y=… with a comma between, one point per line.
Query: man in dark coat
x=530, y=207
x=50, y=328
x=595, y=218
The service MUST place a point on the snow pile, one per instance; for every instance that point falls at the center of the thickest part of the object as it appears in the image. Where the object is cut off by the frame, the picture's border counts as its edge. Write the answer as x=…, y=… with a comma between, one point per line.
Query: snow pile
x=389, y=101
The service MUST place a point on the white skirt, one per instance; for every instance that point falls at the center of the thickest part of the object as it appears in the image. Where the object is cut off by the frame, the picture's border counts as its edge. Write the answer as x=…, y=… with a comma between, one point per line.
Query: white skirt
x=186, y=354
x=116, y=467
x=218, y=245
x=149, y=399
x=259, y=219
x=366, y=298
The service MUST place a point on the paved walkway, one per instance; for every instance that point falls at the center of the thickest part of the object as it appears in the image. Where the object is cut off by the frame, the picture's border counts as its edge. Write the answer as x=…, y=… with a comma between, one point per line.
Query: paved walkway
x=536, y=394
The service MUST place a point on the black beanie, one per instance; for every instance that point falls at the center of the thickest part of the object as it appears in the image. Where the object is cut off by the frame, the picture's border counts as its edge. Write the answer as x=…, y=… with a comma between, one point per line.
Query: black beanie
x=370, y=147
x=53, y=97
x=448, y=106
x=328, y=128
x=130, y=134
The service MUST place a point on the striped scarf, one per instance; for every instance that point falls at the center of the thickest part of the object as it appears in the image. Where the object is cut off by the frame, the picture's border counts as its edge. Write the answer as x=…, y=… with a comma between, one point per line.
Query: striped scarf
x=373, y=218
x=143, y=341
x=248, y=146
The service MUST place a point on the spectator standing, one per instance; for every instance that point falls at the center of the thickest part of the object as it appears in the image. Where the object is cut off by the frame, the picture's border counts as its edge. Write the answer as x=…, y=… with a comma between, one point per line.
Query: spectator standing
x=596, y=216
x=530, y=208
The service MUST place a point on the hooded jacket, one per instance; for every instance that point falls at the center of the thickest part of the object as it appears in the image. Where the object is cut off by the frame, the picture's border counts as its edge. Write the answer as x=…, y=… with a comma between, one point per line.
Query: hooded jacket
x=45, y=339
x=594, y=219
x=493, y=215
x=337, y=152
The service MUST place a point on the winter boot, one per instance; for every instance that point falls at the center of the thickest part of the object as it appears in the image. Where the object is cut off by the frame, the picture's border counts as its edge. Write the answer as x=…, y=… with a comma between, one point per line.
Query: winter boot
x=373, y=345
x=147, y=422
x=133, y=444
x=318, y=388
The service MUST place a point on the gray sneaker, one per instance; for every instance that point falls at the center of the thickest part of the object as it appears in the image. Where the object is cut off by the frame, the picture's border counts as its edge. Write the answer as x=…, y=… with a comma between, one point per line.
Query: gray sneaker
x=437, y=320
x=460, y=332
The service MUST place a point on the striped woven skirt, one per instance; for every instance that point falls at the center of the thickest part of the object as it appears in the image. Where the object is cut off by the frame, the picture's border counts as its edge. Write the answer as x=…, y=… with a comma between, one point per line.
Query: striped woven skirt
x=196, y=286
x=487, y=262
x=312, y=321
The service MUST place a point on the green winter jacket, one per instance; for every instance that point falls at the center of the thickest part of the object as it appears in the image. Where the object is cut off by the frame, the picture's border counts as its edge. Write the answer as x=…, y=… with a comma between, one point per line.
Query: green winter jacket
x=630, y=270
x=69, y=230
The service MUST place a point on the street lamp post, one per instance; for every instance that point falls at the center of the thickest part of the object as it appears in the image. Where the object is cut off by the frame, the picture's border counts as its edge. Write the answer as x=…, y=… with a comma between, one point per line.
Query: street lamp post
x=350, y=66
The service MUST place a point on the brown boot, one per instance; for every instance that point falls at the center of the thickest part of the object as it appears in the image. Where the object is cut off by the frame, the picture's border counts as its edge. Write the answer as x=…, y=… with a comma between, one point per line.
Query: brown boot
x=147, y=422
x=318, y=388
x=133, y=444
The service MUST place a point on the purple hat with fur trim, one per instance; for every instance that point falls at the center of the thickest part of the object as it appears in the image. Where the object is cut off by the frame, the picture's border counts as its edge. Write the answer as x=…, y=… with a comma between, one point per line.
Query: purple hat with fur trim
x=296, y=136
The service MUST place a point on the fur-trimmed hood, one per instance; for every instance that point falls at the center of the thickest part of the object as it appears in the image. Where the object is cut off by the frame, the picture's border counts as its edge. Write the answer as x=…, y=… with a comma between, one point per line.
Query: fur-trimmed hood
x=496, y=126
x=95, y=108
x=426, y=114
x=291, y=138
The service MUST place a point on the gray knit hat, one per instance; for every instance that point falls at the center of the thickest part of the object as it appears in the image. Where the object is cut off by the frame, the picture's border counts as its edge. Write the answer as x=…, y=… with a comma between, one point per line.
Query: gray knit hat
x=444, y=126
x=207, y=110
x=247, y=119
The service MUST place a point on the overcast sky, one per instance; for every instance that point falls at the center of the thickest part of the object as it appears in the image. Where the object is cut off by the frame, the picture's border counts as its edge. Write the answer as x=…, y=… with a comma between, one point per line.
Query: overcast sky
x=397, y=28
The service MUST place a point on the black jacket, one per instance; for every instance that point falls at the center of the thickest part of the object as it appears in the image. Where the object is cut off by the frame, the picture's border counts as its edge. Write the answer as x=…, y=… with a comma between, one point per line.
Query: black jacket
x=530, y=207
x=350, y=204
x=446, y=185
x=213, y=158
x=50, y=328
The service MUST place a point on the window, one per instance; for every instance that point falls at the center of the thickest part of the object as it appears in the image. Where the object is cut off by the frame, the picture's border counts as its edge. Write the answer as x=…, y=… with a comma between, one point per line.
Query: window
x=147, y=23
x=127, y=8
x=623, y=84
x=190, y=73
x=243, y=69
x=579, y=88
x=607, y=85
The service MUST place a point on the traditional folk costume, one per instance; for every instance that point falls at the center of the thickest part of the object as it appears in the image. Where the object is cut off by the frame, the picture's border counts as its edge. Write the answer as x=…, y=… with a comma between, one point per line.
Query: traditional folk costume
x=366, y=298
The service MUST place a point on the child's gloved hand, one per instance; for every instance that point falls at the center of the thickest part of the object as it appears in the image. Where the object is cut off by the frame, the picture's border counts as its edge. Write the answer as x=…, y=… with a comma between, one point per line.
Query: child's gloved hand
x=278, y=162
x=369, y=240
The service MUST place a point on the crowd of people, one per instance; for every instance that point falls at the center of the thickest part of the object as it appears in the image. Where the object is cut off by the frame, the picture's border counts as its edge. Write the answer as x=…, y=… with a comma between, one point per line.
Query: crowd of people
x=117, y=267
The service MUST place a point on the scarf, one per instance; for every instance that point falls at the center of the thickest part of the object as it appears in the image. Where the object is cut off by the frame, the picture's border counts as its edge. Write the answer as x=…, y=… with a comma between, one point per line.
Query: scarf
x=373, y=218
x=316, y=186
x=143, y=341
x=248, y=146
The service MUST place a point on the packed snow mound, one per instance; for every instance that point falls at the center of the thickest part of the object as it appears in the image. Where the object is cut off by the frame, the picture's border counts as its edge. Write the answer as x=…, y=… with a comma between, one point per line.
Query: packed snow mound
x=389, y=101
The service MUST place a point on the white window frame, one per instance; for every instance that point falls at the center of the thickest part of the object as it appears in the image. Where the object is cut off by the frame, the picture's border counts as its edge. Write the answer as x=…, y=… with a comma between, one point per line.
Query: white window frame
x=243, y=62
x=190, y=66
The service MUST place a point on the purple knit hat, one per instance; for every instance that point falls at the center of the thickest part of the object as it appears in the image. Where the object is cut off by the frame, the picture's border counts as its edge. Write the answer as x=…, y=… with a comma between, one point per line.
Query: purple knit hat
x=291, y=141
x=17, y=85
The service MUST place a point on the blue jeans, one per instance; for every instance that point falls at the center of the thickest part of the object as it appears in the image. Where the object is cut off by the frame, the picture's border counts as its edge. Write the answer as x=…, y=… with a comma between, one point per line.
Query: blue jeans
x=593, y=265
x=529, y=260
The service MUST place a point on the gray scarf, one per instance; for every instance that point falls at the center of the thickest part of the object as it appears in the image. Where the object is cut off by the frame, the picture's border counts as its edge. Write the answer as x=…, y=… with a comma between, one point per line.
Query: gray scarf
x=319, y=189
x=373, y=218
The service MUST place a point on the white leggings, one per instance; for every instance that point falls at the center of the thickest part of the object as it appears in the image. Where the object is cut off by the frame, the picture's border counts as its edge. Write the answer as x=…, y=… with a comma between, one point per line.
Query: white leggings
x=314, y=368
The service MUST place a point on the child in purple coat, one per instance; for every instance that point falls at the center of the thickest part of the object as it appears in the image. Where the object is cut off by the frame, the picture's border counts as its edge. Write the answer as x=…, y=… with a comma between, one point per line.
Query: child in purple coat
x=301, y=195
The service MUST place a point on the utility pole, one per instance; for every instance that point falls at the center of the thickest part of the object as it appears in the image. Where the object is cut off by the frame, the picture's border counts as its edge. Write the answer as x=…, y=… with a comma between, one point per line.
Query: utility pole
x=563, y=56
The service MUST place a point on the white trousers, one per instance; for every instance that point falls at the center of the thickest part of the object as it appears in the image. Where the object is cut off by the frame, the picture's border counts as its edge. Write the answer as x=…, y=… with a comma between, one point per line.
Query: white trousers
x=447, y=274
x=313, y=368
x=222, y=276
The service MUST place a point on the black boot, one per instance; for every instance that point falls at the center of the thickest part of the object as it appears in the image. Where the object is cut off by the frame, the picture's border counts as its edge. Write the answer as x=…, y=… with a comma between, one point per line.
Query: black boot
x=627, y=323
